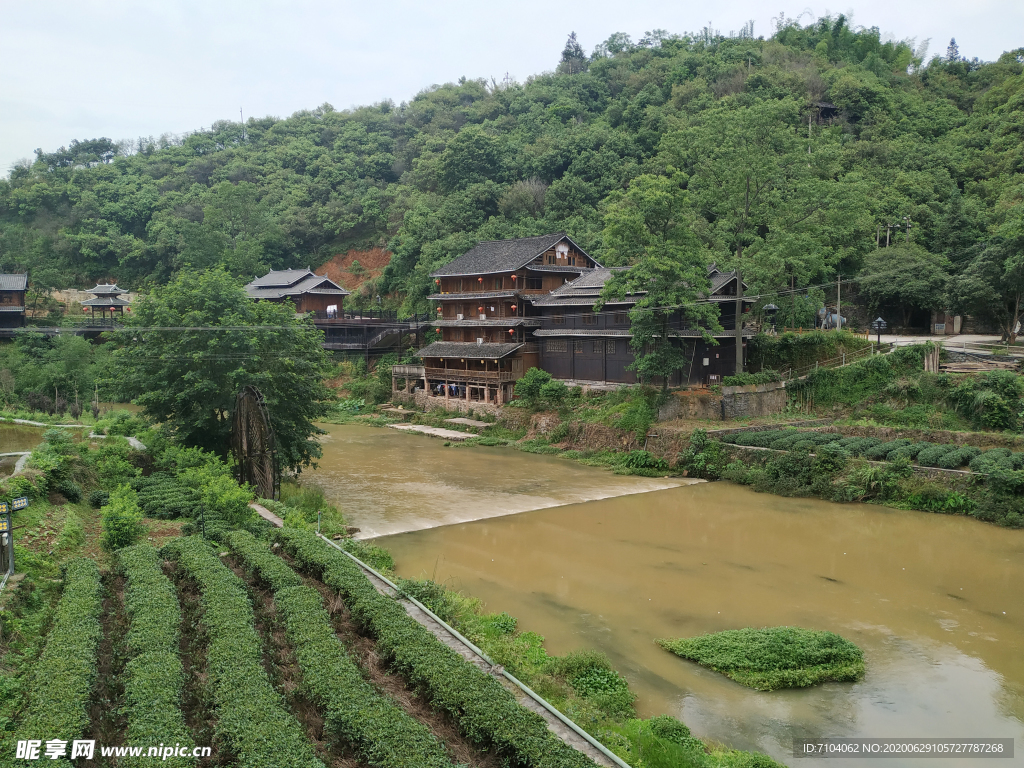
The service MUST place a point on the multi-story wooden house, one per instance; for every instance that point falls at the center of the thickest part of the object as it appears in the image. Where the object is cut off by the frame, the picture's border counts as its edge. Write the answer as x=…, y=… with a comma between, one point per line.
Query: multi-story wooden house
x=509, y=305
x=12, y=300
x=485, y=318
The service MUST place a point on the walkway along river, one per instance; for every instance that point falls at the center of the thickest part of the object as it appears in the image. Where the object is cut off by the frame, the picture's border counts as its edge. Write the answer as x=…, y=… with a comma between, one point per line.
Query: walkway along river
x=935, y=601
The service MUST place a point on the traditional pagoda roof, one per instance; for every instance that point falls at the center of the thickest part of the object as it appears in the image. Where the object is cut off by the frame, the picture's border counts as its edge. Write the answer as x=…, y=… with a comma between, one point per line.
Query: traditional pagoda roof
x=13, y=282
x=468, y=350
x=470, y=295
x=583, y=291
x=282, y=283
x=492, y=256
x=106, y=301
x=106, y=289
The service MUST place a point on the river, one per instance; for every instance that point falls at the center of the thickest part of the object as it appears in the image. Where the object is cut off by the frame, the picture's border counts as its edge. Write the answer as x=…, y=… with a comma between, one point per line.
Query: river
x=934, y=601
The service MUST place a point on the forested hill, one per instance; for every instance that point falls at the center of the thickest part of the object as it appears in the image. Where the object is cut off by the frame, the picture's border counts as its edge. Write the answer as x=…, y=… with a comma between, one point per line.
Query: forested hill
x=640, y=140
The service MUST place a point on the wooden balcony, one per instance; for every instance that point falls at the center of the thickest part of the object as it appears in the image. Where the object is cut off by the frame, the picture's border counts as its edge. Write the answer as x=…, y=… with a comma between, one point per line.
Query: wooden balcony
x=455, y=374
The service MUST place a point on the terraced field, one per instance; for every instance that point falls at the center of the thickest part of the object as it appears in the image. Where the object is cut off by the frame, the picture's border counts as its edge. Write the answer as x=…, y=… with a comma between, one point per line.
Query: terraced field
x=271, y=656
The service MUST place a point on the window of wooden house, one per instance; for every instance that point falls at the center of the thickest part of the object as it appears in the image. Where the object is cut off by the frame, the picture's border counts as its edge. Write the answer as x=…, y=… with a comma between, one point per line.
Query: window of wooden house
x=589, y=318
x=597, y=347
x=556, y=345
x=550, y=258
x=577, y=346
x=534, y=283
x=610, y=346
x=558, y=318
x=499, y=283
x=621, y=318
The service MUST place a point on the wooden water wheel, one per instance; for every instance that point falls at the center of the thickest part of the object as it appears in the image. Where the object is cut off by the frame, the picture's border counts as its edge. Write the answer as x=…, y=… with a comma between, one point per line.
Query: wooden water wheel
x=252, y=442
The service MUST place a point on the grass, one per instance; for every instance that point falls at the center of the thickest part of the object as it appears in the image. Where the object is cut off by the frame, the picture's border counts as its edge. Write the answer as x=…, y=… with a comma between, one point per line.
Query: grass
x=774, y=657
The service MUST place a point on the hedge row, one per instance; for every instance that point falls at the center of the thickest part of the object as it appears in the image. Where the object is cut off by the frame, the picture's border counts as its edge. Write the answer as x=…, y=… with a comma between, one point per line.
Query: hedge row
x=252, y=719
x=486, y=712
x=927, y=454
x=354, y=712
x=61, y=682
x=153, y=676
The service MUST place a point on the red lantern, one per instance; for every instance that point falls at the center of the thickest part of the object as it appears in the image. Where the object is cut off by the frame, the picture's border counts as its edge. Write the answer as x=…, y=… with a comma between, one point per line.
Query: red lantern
x=438, y=330
x=514, y=276
x=513, y=307
x=438, y=282
x=438, y=309
x=479, y=279
x=511, y=330
x=479, y=309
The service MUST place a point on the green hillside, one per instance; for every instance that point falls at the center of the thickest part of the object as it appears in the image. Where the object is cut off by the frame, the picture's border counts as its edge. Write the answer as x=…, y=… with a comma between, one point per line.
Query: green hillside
x=631, y=142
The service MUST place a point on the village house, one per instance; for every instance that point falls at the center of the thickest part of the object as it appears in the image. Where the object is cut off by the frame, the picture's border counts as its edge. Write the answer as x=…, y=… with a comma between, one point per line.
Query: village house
x=12, y=300
x=309, y=292
x=509, y=305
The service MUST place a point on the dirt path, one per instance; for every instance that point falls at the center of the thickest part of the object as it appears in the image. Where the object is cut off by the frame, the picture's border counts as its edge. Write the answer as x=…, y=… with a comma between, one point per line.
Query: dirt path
x=106, y=723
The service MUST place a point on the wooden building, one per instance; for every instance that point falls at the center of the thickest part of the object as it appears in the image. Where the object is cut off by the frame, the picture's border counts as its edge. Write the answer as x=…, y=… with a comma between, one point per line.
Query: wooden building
x=484, y=316
x=510, y=305
x=12, y=300
x=106, y=299
x=580, y=344
x=309, y=292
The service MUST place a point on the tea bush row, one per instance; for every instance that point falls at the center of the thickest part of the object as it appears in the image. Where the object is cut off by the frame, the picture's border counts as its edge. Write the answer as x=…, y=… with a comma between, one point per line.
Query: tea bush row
x=164, y=496
x=252, y=720
x=60, y=684
x=485, y=712
x=153, y=676
x=927, y=454
x=354, y=712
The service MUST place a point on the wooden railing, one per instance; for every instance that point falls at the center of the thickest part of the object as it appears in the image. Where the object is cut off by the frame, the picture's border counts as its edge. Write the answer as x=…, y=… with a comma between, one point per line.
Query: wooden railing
x=454, y=374
x=408, y=371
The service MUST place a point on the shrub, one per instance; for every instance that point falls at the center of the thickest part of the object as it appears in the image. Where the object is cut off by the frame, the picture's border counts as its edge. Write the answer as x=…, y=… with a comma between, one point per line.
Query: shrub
x=60, y=684
x=70, y=490
x=774, y=657
x=703, y=458
x=153, y=675
x=382, y=733
x=485, y=712
x=766, y=376
x=880, y=451
x=530, y=384
x=252, y=720
x=98, y=498
x=644, y=460
x=929, y=457
x=122, y=519
x=957, y=458
x=591, y=675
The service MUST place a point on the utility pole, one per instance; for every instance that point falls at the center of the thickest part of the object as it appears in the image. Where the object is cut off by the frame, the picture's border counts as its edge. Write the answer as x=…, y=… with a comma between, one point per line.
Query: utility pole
x=839, y=302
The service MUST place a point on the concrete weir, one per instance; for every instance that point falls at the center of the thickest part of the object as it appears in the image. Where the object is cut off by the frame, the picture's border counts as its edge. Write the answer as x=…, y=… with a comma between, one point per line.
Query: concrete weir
x=447, y=434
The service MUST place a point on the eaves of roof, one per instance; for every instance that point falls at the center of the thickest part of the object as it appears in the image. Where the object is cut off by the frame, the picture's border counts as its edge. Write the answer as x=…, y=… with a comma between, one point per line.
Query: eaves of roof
x=468, y=349
x=507, y=322
x=472, y=295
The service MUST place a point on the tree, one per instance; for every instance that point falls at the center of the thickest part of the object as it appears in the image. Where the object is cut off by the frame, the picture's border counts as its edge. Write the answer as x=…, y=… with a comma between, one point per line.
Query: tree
x=649, y=228
x=191, y=345
x=573, y=58
x=905, y=276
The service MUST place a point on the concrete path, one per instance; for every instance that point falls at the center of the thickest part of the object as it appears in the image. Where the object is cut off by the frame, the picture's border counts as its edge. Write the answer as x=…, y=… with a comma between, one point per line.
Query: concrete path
x=469, y=422
x=447, y=434
x=267, y=515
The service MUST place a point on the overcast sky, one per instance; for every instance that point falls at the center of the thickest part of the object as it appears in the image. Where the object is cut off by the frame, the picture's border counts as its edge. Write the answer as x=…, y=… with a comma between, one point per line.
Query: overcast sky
x=91, y=68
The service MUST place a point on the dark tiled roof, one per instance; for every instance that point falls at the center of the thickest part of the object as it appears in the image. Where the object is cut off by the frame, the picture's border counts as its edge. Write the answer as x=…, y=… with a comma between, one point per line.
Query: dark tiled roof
x=13, y=282
x=106, y=301
x=292, y=282
x=470, y=350
x=472, y=295
x=558, y=269
x=551, y=300
x=507, y=322
x=106, y=289
x=501, y=255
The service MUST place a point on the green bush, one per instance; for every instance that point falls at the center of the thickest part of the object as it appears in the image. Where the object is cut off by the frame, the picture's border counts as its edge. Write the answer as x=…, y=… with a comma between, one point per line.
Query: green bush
x=153, y=676
x=766, y=376
x=957, y=458
x=98, y=498
x=485, y=712
x=703, y=458
x=252, y=719
x=122, y=519
x=354, y=712
x=930, y=457
x=591, y=675
x=774, y=657
x=70, y=490
x=59, y=686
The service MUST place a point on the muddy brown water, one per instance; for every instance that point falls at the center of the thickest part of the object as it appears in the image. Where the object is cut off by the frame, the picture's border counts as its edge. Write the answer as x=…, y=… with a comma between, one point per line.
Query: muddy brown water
x=934, y=601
